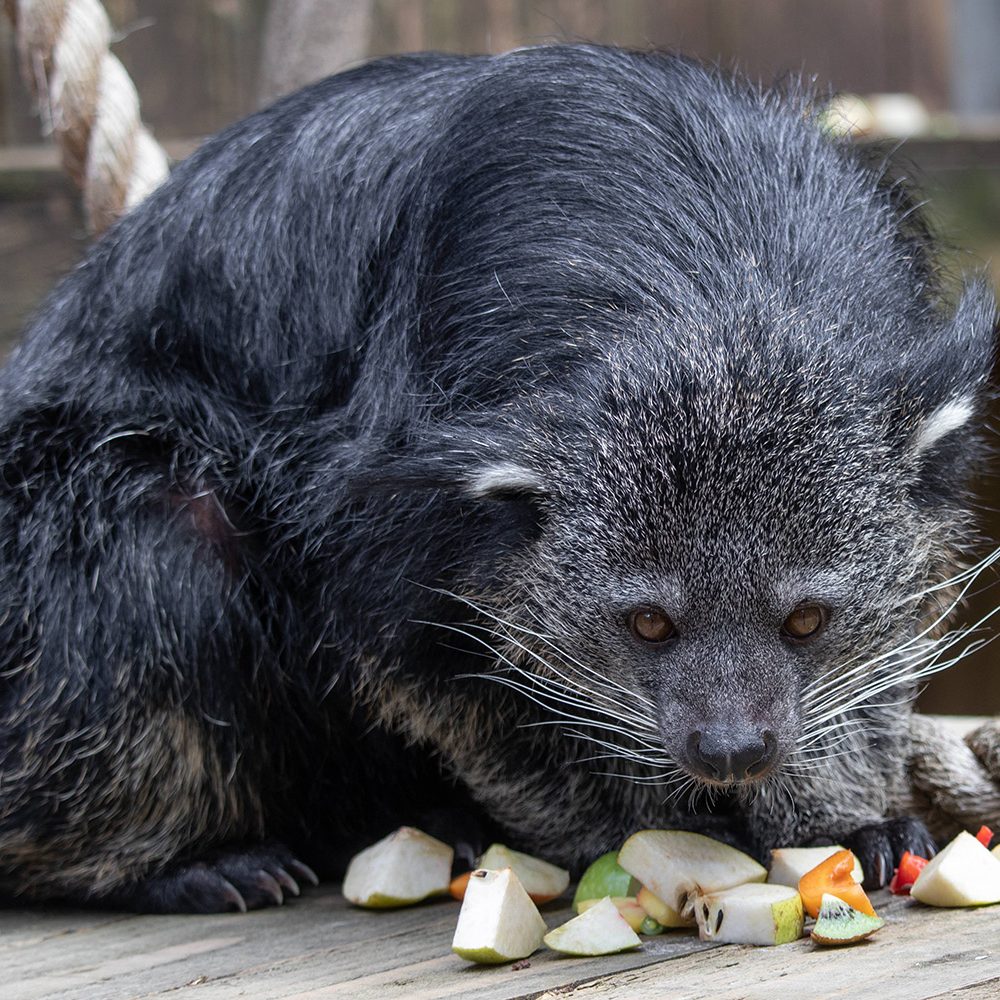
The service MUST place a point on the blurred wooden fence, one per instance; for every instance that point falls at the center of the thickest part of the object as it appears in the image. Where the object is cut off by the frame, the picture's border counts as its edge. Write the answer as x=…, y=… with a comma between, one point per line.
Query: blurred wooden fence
x=196, y=62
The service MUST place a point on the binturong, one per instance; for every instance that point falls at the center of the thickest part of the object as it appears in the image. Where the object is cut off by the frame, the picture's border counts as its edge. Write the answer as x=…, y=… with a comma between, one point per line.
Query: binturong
x=536, y=447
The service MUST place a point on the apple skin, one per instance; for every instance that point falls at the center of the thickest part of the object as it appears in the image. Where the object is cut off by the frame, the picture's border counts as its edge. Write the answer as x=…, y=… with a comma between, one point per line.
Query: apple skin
x=604, y=877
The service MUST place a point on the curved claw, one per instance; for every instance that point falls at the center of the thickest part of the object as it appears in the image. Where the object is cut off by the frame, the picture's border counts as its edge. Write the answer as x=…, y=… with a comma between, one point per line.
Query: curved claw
x=286, y=881
x=269, y=885
x=232, y=895
x=303, y=872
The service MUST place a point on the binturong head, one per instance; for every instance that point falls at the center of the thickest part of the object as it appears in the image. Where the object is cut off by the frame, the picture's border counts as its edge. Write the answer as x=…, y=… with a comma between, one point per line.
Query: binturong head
x=709, y=413
x=735, y=534
x=736, y=548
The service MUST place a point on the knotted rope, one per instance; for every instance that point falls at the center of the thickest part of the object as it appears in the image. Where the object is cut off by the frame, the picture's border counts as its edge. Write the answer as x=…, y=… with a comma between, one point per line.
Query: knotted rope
x=88, y=103
x=954, y=782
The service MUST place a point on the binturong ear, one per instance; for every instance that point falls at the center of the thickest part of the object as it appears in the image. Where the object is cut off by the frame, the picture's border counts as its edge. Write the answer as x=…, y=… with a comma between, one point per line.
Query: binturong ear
x=945, y=396
x=469, y=462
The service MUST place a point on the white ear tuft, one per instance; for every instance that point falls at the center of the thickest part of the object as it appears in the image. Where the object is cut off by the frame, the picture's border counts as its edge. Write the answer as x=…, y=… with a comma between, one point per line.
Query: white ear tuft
x=945, y=419
x=503, y=477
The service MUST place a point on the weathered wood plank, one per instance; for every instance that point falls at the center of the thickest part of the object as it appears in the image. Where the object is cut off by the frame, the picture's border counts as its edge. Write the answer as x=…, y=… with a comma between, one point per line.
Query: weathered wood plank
x=318, y=948
x=920, y=954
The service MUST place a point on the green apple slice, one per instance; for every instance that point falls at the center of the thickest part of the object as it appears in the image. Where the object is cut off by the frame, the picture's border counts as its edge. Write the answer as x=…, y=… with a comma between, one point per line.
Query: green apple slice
x=839, y=923
x=963, y=874
x=605, y=877
x=665, y=916
x=498, y=921
x=751, y=914
x=599, y=930
x=677, y=866
x=789, y=864
x=541, y=880
x=633, y=913
x=401, y=869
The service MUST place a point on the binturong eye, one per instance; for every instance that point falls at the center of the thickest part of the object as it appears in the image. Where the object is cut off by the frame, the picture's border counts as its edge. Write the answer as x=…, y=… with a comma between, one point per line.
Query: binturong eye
x=651, y=625
x=804, y=622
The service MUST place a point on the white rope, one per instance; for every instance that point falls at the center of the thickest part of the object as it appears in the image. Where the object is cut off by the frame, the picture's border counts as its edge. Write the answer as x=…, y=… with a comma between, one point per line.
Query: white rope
x=88, y=104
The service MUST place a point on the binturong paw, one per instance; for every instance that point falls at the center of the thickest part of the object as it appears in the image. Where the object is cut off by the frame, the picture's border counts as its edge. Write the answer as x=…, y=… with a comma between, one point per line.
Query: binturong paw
x=236, y=880
x=880, y=846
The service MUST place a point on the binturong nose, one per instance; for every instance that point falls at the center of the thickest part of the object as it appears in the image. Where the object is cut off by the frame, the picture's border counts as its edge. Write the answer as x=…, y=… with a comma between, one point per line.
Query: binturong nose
x=727, y=752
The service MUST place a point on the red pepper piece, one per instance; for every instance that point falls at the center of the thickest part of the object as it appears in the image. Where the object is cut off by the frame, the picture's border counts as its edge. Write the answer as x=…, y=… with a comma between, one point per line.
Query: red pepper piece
x=984, y=836
x=910, y=866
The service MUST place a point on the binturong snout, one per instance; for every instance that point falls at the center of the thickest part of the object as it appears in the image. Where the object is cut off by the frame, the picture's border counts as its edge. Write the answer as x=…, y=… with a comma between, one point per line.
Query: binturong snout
x=725, y=752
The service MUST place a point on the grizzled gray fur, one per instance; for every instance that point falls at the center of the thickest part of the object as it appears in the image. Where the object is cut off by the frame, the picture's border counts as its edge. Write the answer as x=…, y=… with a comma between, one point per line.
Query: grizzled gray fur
x=537, y=447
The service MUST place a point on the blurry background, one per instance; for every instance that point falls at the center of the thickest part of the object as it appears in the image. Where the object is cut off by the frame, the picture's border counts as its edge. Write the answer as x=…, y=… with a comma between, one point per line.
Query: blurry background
x=927, y=71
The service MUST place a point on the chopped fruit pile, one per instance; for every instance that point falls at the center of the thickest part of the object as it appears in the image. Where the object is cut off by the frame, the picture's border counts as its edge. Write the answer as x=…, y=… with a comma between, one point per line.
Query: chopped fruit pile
x=659, y=880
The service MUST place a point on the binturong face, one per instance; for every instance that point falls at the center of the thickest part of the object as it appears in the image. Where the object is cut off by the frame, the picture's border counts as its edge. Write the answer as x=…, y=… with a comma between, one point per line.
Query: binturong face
x=734, y=559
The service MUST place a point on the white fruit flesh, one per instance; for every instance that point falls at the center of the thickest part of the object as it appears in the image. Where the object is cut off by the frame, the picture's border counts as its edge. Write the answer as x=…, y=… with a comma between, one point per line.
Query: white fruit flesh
x=751, y=914
x=963, y=874
x=599, y=930
x=789, y=864
x=633, y=913
x=403, y=868
x=540, y=879
x=498, y=921
x=664, y=915
x=676, y=866
x=839, y=923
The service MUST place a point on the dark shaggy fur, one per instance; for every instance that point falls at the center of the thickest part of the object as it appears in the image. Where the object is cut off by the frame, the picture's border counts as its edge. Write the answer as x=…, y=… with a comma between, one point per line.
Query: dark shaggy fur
x=425, y=378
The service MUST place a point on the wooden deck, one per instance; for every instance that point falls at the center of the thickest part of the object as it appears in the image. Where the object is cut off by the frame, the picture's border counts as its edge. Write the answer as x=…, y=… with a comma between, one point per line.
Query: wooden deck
x=318, y=947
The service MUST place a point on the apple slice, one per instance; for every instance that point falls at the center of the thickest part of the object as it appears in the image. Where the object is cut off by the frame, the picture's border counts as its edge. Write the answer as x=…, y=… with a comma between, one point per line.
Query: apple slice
x=541, y=880
x=665, y=916
x=599, y=930
x=401, y=869
x=840, y=923
x=605, y=877
x=963, y=874
x=751, y=914
x=498, y=921
x=676, y=866
x=635, y=916
x=789, y=864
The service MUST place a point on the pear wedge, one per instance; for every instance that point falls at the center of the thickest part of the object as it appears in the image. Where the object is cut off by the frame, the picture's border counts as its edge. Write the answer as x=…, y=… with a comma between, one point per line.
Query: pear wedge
x=635, y=916
x=541, y=880
x=789, y=864
x=599, y=930
x=963, y=874
x=751, y=914
x=498, y=921
x=401, y=869
x=677, y=866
